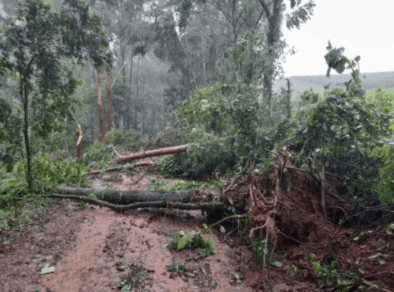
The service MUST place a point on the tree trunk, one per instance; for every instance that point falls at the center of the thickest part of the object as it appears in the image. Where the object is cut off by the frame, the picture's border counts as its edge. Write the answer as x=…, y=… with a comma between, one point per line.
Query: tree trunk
x=151, y=153
x=210, y=207
x=212, y=57
x=162, y=151
x=130, y=197
x=274, y=29
x=138, y=76
x=79, y=142
x=131, y=67
x=100, y=106
x=123, y=54
x=108, y=87
x=26, y=131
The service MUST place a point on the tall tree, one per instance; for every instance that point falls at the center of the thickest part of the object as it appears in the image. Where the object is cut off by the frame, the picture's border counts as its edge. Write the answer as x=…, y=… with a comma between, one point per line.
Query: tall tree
x=271, y=12
x=97, y=37
x=108, y=89
x=33, y=45
x=274, y=16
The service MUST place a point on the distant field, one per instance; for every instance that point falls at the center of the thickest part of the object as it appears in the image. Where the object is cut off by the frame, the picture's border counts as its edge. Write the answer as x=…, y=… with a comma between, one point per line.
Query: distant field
x=385, y=91
x=369, y=81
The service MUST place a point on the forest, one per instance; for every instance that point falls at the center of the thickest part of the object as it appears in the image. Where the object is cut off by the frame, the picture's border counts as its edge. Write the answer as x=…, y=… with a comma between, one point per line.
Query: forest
x=145, y=145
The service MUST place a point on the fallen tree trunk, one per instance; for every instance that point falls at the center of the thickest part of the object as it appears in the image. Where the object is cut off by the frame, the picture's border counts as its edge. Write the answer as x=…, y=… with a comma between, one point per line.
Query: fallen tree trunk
x=210, y=206
x=129, y=197
x=151, y=153
x=162, y=151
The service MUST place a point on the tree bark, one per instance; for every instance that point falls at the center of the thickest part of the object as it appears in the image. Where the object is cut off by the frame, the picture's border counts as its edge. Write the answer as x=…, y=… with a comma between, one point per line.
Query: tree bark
x=155, y=204
x=100, y=106
x=79, y=142
x=25, y=101
x=151, y=153
x=108, y=88
x=130, y=197
x=273, y=35
x=162, y=151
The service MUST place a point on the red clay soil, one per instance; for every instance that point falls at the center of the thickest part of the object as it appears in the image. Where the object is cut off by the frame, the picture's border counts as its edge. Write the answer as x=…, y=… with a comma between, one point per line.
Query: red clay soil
x=92, y=249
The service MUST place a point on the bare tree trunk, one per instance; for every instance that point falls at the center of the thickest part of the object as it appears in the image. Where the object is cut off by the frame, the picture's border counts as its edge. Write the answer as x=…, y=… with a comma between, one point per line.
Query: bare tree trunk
x=131, y=68
x=138, y=75
x=100, y=106
x=274, y=28
x=25, y=101
x=108, y=87
x=123, y=54
x=79, y=142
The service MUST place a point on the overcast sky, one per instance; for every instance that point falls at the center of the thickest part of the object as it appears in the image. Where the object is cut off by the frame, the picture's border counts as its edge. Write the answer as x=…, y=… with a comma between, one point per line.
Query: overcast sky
x=364, y=28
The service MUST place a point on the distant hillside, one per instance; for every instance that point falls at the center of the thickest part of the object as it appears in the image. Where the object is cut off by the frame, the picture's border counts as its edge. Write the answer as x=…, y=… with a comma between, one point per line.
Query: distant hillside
x=369, y=81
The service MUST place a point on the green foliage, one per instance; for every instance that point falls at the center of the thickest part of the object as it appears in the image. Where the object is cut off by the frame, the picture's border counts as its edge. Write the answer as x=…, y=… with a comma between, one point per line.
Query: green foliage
x=10, y=128
x=390, y=229
x=49, y=172
x=384, y=102
x=238, y=278
x=98, y=154
x=33, y=47
x=46, y=173
x=309, y=97
x=182, y=185
x=262, y=253
x=199, y=160
x=343, y=132
x=115, y=137
x=248, y=62
x=175, y=267
x=333, y=280
x=336, y=61
x=193, y=240
x=358, y=236
x=385, y=186
x=293, y=269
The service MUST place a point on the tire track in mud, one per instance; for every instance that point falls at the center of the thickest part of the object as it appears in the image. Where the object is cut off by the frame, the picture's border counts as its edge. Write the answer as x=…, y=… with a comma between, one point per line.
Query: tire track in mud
x=82, y=269
x=106, y=241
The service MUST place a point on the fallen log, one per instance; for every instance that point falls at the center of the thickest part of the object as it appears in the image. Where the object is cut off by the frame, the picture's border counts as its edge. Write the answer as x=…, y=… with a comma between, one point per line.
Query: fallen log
x=129, y=197
x=162, y=151
x=210, y=206
x=151, y=153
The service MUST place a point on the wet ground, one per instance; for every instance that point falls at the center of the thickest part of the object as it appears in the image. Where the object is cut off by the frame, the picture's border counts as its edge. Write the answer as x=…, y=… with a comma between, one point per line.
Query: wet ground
x=94, y=248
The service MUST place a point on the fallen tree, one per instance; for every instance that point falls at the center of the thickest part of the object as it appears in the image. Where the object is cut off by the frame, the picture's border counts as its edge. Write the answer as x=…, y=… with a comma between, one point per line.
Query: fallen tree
x=161, y=151
x=209, y=206
x=120, y=201
x=127, y=197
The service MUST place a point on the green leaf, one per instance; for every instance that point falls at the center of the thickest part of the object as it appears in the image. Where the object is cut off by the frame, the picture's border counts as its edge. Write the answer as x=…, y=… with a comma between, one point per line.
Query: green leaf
x=222, y=229
x=183, y=242
x=211, y=243
x=277, y=264
x=178, y=234
x=185, y=277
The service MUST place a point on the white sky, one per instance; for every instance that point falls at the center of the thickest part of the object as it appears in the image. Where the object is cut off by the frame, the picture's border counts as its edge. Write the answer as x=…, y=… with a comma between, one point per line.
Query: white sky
x=363, y=28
